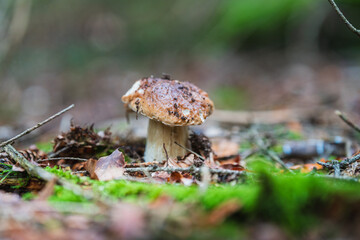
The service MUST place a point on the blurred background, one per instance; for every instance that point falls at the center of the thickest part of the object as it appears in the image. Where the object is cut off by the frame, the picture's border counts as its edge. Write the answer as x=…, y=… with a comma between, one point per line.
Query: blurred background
x=248, y=54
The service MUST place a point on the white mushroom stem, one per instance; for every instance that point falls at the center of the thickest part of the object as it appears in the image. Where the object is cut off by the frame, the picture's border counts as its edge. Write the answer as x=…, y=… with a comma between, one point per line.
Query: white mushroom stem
x=160, y=134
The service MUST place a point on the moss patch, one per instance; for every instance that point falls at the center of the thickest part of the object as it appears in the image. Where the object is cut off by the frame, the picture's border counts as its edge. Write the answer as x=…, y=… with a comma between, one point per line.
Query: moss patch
x=294, y=201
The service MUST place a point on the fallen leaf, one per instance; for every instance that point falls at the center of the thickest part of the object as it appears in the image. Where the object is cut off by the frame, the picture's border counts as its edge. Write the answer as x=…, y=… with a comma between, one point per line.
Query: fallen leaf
x=232, y=166
x=110, y=167
x=182, y=163
x=186, y=179
x=175, y=177
x=228, y=160
x=90, y=167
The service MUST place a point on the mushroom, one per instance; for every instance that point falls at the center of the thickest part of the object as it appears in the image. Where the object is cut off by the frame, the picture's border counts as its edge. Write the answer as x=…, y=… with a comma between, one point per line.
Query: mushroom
x=171, y=107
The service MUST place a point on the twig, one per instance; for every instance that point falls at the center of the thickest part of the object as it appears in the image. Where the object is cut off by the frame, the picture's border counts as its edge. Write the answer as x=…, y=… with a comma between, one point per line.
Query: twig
x=260, y=143
x=166, y=153
x=79, y=172
x=11, y=140
x=188, y=170
x=47, y=176
x=65, y=158
x=30, y=168
x=347, y=121
x=187, y=149
x=54, y=154
x=336, y=165
x=350, y=160
x=342, y=16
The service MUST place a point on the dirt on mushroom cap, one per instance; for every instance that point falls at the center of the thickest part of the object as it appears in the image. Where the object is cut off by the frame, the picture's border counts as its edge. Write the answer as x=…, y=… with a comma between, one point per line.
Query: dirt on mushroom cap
x=172, y=102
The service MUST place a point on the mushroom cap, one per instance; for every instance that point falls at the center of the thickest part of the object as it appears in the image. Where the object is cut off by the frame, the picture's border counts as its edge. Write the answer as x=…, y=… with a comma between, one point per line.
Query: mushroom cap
x=171, y=102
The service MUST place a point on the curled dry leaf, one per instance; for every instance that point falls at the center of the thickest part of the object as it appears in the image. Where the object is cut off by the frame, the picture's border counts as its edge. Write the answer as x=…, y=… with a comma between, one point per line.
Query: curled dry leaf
x=175, y=177
x=233, y=166
x=90, y=166
x=182, y=163
x=110, y=167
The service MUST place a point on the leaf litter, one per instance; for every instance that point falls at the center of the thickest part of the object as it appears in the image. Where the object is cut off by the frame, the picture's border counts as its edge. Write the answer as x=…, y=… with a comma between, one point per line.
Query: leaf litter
x=104, y=157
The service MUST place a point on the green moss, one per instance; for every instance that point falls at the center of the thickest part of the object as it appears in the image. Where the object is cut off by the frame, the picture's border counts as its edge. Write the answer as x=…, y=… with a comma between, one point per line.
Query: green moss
x=45, y=146
x=295, y=201
x=67, y=175
x=64, y=195
x=28, y=196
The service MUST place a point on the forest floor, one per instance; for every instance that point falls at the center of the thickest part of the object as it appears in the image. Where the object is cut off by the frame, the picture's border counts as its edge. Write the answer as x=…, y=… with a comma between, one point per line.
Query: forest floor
x=263, y=176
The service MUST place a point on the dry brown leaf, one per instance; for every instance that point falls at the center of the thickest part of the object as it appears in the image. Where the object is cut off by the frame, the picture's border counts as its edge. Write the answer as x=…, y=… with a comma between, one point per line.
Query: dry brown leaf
x=232, y=166
x=90, y=167
x=188, y=161
x=110, y=167
x=175, y=177
x=172, y=162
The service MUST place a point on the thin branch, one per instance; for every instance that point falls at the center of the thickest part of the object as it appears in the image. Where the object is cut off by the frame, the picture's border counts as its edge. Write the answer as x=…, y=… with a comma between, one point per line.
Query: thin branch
x=342, y=16
x=11, y=140
x=79, y=172
x=54, y=154
x=36, y=171
x=350, y=160
x=262, y=146
x=337, y=165
x=347, y=121
x=30, y=168
x=187, y=149
x=187, y=170
x=166, y=153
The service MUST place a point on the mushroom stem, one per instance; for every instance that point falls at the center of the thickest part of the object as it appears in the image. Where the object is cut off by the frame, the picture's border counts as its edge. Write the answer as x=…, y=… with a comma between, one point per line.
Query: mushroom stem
x=160, y=134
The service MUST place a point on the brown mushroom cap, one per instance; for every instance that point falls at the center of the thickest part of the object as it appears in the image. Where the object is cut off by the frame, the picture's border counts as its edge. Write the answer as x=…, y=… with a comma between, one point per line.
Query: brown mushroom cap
x=171, y=102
